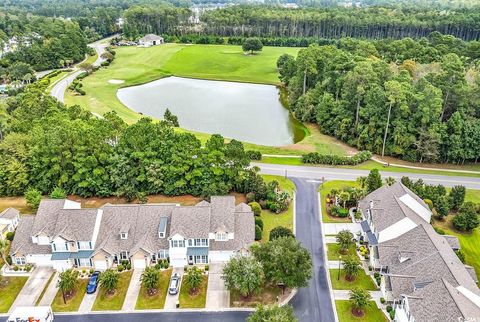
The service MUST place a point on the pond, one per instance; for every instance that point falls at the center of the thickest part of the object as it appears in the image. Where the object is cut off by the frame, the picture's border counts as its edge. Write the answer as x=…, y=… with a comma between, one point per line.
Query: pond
x=246, y=112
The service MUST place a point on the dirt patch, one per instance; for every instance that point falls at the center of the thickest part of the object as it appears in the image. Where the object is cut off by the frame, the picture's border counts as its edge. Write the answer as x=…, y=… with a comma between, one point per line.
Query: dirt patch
x=15, y=202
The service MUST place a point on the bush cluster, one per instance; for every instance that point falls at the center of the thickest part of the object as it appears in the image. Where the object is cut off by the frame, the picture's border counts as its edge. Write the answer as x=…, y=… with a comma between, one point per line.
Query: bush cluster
x=254, y=155
x=163, y=263
x=317, y=158
x=338, y=211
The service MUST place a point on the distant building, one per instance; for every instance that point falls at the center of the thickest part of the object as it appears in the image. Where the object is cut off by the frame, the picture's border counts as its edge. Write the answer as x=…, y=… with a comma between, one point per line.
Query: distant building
x=150, y=40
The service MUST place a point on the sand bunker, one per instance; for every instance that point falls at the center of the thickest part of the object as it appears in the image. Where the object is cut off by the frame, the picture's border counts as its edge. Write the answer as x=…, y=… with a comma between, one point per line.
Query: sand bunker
x=116, y=81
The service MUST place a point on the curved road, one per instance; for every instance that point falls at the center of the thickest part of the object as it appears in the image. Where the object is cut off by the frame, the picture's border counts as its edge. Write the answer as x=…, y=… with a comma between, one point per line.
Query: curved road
x=58, y=91
x=352, y=174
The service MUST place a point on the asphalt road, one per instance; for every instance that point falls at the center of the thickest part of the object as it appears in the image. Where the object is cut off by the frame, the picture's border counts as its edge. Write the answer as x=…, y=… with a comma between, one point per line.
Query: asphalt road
x=312, y=303
x=351, y=174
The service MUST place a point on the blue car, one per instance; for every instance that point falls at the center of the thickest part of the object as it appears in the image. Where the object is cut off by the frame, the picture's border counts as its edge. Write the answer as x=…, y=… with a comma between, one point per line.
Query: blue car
x=93, y=283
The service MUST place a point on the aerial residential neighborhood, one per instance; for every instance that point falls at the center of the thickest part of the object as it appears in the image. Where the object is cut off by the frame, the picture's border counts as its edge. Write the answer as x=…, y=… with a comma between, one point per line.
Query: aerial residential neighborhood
x=254, y=161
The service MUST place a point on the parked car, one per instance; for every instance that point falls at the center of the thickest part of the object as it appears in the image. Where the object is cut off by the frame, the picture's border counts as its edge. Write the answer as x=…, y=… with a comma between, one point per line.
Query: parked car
x=93, y=282
x=174, y=284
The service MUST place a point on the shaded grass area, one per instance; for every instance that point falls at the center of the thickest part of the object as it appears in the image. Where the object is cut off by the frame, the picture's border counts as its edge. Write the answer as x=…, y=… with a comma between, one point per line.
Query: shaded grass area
x=372, y=313
x=325, y=190
x=362, y=281
x=271, y=219
x=45, y=289
x=333, y=252
x=469, y=241
x=268, y=295
x=73, y=303
x=9, y=289
x=196, y=300
x=114, y=302
x=156, y=301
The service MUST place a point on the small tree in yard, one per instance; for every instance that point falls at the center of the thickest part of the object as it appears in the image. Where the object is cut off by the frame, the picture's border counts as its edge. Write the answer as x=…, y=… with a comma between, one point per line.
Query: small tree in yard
x=374, y=180
x=285, y=262
x=86, y=67
x=150, y=279
x=273, y=314
x=457, y=197
x=67, y=283
x=33, y=198
x=467, y=217
x=109, y=280
x=58, y=193
x=193, y=279
x=359, y=299
x=243, y=274
x=344, y=240
x=252, y=44
x=351, y=266
x=170, y=118
x=280, y=231
x=441, y=207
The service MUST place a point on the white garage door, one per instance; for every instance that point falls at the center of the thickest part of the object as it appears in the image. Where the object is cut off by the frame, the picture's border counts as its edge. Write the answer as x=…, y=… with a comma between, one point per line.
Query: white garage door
x=40, y=260
x=139, y=263
x=100, y=264
x=177, y=262
x=219, y=256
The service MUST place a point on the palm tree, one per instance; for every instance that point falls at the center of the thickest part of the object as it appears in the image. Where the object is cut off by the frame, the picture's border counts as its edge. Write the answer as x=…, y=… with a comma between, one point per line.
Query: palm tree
x=150, y=279
x=109, y=280
x=351, y=266
x=357, y=194
x=4, y=249
x=344, y=240
x=193, y=279
x=390, y=181
x=67, y=282
x=344, y=196
x=362, y=181
x=359, y=299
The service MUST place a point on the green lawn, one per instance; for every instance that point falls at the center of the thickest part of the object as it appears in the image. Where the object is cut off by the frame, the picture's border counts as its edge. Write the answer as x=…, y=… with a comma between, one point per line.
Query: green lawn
x=267, y=296
x=107, y=302
x=325, y=189
x=285, y=219
x=156, y=301
x=333, y=252
x=73, y=304
x=193, y=301
x=9, y=289
x=372, y=313
x=362, y=281
x=470, y=195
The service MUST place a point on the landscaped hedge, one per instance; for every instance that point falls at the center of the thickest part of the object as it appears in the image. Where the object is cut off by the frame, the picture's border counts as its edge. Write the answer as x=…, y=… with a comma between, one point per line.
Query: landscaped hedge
x=317, y=158
x=254, y=155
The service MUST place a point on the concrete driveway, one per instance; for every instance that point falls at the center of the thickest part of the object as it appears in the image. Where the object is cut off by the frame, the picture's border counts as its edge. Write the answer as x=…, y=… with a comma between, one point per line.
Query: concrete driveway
x=218, y=296
x=33, y=287
x=171, y=300
x=333, y=229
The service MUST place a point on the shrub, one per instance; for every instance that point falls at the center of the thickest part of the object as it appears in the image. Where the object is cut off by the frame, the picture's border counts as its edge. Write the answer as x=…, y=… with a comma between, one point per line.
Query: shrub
x=9, y=260
x=317, y=158
x=58, y=193
x=91, y=271
x=388, y=308
x=207, y=268
x=254, y=155
x=84, y=271
x=10, y=235
x=142, y=197
x=439, y=231
x=258, y=233
x=429, y=203
x=382, y=300
x=250, y=197
x=392, y=314
x=376, y=274
x=339, y=211
x=33, y=198
x=467, y=218
x=120, y=268
x=129, y=266
x=280, y=231
x=28, y=268
x=259, y=222
x=370, y=268
x=460, y=255
x=15, y=268
x=257, y=210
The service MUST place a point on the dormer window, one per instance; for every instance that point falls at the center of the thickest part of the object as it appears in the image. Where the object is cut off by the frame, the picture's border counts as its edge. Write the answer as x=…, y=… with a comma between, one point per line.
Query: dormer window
x=162, y=227
x=123, y=235
x=221, y=236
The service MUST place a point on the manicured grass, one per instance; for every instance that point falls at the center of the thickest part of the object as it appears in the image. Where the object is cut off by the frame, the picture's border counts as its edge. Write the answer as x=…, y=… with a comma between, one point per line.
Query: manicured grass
x=91, y=59
x=267, y=296
x=325, y=190
x=471, y=195
x=73, y=304
x=362, y=281
x=468, y=241
x=9, y=289
x=271, y=219
x=333, y=252
x=45, y=289
x=372, y=313
x=156, y=301
x=193, y=301
x=105, y=302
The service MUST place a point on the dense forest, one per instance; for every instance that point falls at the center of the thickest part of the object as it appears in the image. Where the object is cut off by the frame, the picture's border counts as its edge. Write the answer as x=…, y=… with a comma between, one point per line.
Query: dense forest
x=41, y=42
x=371, y=22
x=399, y=107
x=47, y=145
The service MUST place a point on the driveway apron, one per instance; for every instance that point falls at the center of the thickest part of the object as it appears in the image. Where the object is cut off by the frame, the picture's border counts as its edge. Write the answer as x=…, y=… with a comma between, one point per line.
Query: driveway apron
x=171, y=301
x=87, y=302
x=218, y=296
x=32, y=289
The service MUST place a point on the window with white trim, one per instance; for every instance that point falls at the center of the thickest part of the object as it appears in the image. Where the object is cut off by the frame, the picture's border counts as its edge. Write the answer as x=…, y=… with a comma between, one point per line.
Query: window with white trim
x=123, y=235
x=163, y=254
x=63, y=247
x=177, y=243
x=20, y=260
x=201, y=259
x=123, y=256
x=221, y=236
x=84, y=245
x=201, y=242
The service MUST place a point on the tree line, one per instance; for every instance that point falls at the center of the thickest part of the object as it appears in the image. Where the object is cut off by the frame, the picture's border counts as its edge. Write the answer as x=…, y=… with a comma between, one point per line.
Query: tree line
x=421, y=113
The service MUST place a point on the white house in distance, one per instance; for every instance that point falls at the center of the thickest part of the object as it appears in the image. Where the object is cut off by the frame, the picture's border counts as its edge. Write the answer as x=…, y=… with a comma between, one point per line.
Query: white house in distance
x=420, y=272
x=63, y=235
x=9, y=219
x=150, y=40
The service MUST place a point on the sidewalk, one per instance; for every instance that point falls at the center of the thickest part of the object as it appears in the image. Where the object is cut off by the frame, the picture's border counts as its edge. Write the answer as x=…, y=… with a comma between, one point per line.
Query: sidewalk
x=87, y=302
x=171, y=301
x=345, y=295
x=334, y=264
x=133, y=290
x=51, y=291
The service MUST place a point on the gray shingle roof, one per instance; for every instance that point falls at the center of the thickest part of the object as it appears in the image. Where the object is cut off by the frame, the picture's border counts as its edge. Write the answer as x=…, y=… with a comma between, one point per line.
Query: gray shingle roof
x=150, y=37
x=452, y=241
x=9, y=213
x=46, y=216
x=191, y=222
x=222, y=218
x=76, y=224
x=244, y=233
x=22, y=243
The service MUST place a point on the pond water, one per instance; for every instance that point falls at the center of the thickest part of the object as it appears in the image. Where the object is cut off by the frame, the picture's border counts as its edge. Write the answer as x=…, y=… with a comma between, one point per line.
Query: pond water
x=246, y=112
